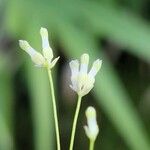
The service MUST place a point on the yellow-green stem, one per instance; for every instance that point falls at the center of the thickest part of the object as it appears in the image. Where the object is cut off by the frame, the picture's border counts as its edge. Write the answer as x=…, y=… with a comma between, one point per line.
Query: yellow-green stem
x=91, y=147
x=75, y=123
x=54, y=108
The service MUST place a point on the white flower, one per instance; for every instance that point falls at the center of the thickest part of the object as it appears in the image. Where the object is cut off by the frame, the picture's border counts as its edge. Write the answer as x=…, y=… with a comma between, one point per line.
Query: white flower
x=82, y=80
x=40, y=60
x=91, y=129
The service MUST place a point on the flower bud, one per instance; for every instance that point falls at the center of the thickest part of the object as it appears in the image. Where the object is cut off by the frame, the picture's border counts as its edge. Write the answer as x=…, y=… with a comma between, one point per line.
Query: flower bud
x=91, y=129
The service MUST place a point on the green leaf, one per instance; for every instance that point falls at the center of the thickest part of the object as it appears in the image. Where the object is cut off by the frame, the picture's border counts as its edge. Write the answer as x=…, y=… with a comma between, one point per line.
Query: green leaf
x=129, y=30
x=6, y=101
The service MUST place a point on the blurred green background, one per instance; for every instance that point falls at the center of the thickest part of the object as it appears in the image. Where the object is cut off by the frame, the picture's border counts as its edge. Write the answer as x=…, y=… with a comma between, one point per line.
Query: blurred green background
x=116, y=31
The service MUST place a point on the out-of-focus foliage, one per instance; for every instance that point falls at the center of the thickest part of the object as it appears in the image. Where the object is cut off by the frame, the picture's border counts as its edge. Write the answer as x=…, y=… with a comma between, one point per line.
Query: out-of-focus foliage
x=6, y=141
x=104, y=29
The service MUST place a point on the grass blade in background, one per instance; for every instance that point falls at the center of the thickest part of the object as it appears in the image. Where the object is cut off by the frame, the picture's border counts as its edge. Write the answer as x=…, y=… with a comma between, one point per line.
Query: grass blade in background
x=129, y=30
x=114, y=23
x=6, y=139
x=41, y=108
x=6, y=97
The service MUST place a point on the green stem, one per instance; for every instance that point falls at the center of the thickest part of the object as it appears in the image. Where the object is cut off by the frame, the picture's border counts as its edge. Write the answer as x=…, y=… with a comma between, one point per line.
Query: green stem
x=54, y=108
x=91, y=145
x=75, y=122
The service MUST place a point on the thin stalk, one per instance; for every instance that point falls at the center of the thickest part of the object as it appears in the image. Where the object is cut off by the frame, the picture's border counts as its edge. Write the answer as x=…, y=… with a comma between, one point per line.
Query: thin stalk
x=91, y=147
x=75, y=123
x=54, y=108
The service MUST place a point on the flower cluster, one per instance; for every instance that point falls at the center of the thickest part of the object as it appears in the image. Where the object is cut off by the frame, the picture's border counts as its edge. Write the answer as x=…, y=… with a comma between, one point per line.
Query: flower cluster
x=82, y=80
x=40, y=60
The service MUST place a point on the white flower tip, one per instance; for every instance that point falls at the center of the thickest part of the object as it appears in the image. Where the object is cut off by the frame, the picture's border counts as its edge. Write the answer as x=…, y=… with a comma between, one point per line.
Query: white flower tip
x=95, y=67
x=58, y=57
x=74, y=64
x=90, y=112
x=36, y=57
x=73, y=88
x=84, y=58
x=43, y=32
x=98, y=64
x=53, y=63
x=24, y=45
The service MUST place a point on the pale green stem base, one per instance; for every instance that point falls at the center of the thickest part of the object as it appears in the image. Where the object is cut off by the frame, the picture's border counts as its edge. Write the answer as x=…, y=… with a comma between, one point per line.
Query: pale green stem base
x=75, y=123
x=54, y=108
x=91, y=147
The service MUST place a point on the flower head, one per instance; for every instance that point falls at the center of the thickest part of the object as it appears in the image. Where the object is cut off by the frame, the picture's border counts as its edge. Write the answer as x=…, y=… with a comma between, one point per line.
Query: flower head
x=40, y=60
x=82, y=80
x=91, y=129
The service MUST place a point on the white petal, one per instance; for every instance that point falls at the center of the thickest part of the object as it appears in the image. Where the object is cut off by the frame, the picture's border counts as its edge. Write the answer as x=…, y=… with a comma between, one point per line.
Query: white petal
x=82, y=79
x=26, y=47
x=73, y=87
x=54, y=62
x=86, y=90
x=92, y=123
x=47, y=50
x=44, y=36
x=95, y=68
x=75, y=83
x=74, y=66
x=88, y=84
x=87, y=131
x=38, y=59
x=84, y=63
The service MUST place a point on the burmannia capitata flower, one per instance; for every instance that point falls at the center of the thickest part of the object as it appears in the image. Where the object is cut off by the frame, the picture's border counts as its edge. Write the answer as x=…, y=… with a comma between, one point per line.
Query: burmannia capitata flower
x=91, y=129
x=82, y=80
x=40, y=60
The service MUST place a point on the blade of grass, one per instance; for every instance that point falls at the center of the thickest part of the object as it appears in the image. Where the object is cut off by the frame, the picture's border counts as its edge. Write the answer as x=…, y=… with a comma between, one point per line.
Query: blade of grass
x=41, y=108
x=6, y=113
x=124, y=28
x=6, y=139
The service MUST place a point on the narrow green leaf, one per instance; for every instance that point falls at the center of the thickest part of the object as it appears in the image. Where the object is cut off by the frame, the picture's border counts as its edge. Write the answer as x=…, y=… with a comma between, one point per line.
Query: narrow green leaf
x=129, y=30
x=6, y=113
